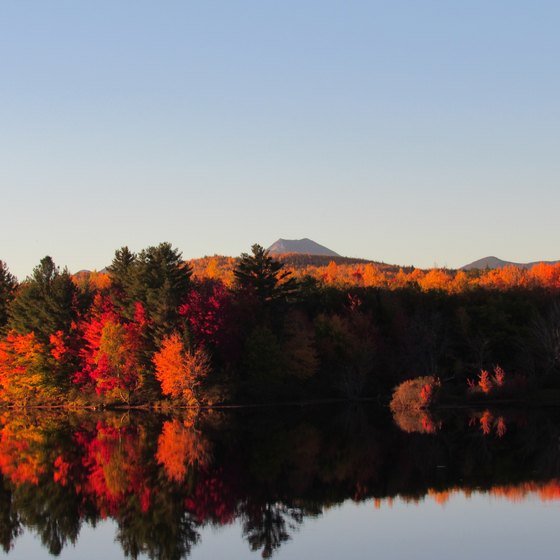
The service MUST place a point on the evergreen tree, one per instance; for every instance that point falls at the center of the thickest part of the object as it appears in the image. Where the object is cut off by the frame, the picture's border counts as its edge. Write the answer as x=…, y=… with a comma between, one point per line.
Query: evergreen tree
x=158, y=279
x=8, y=284
x=162, y=281
x=121, y=269
x=45, y=302
x=264, y=276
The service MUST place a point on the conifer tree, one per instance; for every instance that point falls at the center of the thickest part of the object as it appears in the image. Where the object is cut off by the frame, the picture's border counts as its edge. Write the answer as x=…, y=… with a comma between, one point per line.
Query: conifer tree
x=264, y=276
x=8, y=284
x=158, y=279
x=121, y=270
x=45, y=302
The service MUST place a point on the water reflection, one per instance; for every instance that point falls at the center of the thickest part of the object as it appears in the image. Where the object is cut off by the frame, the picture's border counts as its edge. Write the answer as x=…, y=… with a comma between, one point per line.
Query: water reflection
x=162, y=479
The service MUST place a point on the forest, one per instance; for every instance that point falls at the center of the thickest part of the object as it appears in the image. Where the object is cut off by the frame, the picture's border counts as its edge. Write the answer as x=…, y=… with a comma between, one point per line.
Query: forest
x=156, y=331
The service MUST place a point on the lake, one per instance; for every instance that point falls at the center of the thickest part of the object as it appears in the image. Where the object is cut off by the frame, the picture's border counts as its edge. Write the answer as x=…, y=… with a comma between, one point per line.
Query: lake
x=288, y=482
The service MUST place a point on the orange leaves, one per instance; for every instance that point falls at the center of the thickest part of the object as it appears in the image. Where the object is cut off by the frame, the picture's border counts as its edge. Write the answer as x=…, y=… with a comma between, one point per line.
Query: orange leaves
x=545, y=275
x=21, y=456
x=504, y=278
x=409, y=403
x=416, y=421
x=415, y=394
x=23, y=367
x=181, y=446
x=180, y=372
x=380, y=275
x=372, y=276
x=58, y=346
x=484, y=381
x=94, y=281
x=488, y=423
x=331, y=273
x=436, y=279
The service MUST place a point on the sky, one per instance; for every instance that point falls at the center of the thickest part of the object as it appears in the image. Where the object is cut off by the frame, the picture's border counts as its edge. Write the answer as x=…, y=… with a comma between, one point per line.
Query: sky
x=414, y=133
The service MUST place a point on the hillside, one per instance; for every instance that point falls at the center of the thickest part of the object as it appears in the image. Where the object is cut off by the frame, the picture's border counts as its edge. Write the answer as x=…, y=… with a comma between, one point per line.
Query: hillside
x=494, y=262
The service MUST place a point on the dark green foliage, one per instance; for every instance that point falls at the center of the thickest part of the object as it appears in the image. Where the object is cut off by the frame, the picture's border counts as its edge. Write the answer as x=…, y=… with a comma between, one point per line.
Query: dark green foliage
x=161, y=283
x=10, y=519
x=269, y=526
x=52, y=511
x=263, y=361
x=157, y=278
x=8, y=284
x=45, y=302
x=264, y=276
x=121, y=270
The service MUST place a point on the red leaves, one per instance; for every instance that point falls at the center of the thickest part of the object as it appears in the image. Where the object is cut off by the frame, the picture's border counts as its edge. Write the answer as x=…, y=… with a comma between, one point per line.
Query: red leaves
x=426, y=394
x=112, y=467
x=208, y=311
x=111, y=348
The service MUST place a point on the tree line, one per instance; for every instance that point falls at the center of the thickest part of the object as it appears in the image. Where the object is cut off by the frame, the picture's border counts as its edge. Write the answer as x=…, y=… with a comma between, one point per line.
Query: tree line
x=150, y=332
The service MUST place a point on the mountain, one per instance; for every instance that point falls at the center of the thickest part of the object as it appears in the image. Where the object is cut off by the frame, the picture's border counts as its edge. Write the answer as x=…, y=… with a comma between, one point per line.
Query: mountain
x=300, y=246
x=495, y=262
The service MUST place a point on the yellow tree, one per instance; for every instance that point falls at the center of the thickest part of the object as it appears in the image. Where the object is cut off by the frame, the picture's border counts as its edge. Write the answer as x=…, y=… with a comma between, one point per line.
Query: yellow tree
x=24, y=370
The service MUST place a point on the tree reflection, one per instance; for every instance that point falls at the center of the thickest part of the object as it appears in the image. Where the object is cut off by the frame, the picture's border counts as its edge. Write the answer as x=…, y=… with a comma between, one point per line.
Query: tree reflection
x=269, y=525
x=163, y=479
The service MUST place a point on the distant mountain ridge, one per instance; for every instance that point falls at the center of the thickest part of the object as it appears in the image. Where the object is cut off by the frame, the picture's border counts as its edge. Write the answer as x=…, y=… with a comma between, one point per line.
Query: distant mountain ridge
x=495, y=262
x=300, y=246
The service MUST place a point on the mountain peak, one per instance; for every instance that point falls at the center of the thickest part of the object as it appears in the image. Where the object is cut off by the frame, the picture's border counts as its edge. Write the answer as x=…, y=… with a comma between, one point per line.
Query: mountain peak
x=304, y=246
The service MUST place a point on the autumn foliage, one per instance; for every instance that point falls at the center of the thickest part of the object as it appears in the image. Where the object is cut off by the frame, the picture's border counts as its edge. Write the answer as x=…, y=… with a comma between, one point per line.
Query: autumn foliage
x=24, y=370
x=110, y=353
x=181, y=446
x=163, y=479
x=179, y=371
x=153, y=327
x=488, y=383
x=344, y=272
x=415, y=394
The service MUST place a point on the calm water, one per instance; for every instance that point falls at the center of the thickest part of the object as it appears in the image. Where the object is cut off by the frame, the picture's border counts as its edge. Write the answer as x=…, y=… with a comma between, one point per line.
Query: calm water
x=337, y=482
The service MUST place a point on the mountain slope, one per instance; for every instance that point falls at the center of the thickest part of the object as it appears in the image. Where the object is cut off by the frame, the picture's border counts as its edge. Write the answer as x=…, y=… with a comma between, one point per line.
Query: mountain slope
x=300, y=246
x=495, y=262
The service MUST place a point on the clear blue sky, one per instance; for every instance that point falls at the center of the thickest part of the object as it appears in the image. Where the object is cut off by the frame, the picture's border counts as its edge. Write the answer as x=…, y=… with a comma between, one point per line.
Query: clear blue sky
x=413, y=132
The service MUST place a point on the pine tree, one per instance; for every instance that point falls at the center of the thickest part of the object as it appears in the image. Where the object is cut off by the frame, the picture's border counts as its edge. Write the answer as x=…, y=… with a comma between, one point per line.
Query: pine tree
x=8, y=285
x=157, y=278
x=45, y=302
x=121, y=270
x=264, y=276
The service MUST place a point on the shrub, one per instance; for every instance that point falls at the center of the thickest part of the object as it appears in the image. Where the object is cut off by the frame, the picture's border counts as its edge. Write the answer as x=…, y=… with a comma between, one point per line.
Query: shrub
x=415, y=394
x=488, y=383
x=416, y=421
